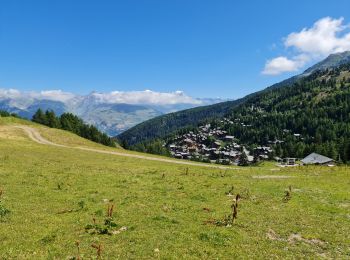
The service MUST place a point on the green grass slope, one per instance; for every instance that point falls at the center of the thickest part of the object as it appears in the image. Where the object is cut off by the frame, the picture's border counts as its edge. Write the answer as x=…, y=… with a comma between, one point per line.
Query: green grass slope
x=53, y=193
x=54, y=135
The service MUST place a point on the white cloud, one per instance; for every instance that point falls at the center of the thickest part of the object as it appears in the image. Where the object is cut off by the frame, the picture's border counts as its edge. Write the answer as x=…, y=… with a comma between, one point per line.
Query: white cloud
x=146, y=97
x=57, y=95
x=9, y=93
x=322, y=38
x=326, y=36
x=279, y=65
x=23, y=99
x=127, y=97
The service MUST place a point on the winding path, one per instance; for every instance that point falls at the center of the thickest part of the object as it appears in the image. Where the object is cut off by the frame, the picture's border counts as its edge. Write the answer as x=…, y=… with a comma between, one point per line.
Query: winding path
x=34, y=135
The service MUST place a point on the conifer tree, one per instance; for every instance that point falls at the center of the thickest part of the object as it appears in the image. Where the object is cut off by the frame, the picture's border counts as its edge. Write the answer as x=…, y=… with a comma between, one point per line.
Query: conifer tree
x=40, y=117
x=243, y=159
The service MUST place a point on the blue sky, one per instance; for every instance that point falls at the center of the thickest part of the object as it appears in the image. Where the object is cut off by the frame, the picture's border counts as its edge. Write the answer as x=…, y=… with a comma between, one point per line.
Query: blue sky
x=205, y=48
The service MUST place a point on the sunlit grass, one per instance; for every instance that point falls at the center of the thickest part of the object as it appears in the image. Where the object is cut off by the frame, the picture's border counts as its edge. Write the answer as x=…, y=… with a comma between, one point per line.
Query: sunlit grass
x=53, y=193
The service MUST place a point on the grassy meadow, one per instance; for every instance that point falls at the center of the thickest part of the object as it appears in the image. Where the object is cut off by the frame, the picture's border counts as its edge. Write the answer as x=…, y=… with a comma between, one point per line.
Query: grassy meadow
x=162, y=210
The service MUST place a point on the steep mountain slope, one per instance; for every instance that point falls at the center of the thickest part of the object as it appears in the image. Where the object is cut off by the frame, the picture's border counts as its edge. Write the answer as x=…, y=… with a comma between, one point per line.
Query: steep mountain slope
x=162, y=126
x=310, y=115
x=333, y=60
x=315, y=107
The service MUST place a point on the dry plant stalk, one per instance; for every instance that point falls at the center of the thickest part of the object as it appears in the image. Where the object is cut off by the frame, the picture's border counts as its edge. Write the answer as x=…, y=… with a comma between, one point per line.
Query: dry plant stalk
x=77, y=243
x=110, y=210
x=234, y=207
x=98, y=250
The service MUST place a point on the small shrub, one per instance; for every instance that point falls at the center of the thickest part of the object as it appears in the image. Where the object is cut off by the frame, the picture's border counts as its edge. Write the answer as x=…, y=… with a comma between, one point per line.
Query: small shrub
x=245, y=194
x=5, y=157
x=99, y=212
x=108, y=226
x=215, y=238
x=3, y=211
x=81, y=204
x=48, y=239
x=59, y=186
x=165, y=219
x=288, y=194
x=230, y=192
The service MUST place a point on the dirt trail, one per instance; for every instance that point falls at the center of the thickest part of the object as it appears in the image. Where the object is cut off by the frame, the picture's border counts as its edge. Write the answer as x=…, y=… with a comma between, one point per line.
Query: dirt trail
x=36, y=137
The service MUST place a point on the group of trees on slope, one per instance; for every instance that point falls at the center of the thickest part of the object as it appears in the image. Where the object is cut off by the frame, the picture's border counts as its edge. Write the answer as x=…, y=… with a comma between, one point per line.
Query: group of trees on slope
x=7, y=114
x=74, y=124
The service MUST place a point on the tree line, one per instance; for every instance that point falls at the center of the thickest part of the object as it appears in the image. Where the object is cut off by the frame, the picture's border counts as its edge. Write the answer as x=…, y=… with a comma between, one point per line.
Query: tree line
x=72, y=123
x=7, y=114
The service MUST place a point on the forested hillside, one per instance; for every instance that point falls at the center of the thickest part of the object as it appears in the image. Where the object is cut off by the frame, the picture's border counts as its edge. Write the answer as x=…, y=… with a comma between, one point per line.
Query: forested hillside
x=161, y=126
x=165, y=125
x=310, y=114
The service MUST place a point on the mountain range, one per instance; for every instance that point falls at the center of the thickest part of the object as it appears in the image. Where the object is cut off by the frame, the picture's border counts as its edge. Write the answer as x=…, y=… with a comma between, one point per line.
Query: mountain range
x=112, y=112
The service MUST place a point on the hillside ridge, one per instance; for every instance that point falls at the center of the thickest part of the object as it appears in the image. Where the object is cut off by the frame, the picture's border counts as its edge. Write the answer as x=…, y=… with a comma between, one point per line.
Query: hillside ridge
x=164, y=125
x=307, y=115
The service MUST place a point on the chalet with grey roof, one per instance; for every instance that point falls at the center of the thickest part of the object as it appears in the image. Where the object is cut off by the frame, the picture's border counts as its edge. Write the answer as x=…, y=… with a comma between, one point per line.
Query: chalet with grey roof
x=316, y=158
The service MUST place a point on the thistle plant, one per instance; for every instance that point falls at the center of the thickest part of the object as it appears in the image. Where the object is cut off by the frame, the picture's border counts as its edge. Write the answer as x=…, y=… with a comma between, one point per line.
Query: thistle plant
x=109, y=226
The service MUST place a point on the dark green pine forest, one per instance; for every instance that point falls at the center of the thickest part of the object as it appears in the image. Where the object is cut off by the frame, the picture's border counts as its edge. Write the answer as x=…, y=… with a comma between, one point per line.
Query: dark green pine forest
x=316, y=109
x=304, y=115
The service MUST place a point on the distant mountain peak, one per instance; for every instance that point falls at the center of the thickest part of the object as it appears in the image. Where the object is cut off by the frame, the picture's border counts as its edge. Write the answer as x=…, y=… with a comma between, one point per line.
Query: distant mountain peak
x=333, y=60
x=111, y=112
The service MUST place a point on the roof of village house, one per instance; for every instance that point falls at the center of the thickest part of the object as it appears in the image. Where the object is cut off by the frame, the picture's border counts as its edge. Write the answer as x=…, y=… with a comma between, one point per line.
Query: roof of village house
x=316, y=158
